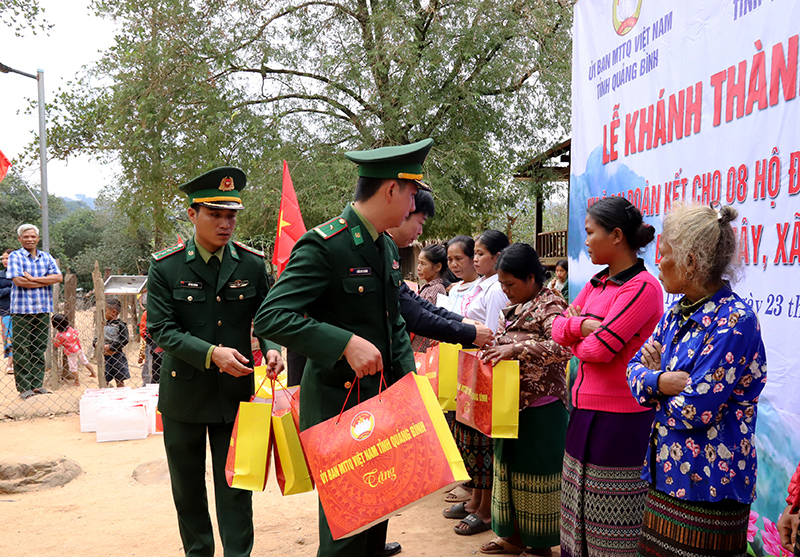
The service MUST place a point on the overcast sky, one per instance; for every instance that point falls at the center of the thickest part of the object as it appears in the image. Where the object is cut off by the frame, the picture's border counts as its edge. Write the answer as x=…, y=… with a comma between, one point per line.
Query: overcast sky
x=74, y=40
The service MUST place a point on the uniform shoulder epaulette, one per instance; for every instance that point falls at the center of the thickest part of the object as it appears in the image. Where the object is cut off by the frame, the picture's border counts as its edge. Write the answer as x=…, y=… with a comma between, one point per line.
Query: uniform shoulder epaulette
x=331, y=228
x=248, y=248
x=159, y=255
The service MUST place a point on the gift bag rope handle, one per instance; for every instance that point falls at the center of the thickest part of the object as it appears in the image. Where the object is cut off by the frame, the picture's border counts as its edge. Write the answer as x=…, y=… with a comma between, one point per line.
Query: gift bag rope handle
x=283, y=389
x=262, y=383
x=381, y=384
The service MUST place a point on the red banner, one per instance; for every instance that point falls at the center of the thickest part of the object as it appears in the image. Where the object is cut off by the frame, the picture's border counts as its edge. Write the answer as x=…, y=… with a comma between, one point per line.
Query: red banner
x=290, y=223
x=5, y=164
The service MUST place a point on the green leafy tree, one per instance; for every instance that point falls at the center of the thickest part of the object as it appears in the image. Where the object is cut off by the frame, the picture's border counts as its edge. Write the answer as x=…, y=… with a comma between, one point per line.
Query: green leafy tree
x=23, y=14
x=487, y=79
x=190, y=84
x=151, y=105
x=19, y=202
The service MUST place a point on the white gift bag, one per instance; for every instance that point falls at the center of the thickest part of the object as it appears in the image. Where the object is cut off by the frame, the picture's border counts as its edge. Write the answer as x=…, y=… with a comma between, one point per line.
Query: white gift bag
x=121, y=419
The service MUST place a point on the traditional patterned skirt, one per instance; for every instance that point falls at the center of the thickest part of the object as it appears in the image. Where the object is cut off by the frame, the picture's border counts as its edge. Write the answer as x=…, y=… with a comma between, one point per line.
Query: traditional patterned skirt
x=527, y=477
x=477, y=451
x=603, y=494
x=691, y=529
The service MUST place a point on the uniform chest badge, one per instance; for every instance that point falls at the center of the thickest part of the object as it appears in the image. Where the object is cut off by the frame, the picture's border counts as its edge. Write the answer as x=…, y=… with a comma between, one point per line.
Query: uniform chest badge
x=238, y=283
x=395, y=264
x=360, y=271
x=190, y=284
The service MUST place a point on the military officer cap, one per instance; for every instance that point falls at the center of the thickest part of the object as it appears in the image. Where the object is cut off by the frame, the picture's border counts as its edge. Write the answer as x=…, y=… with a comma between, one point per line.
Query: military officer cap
x=400, y=161
x=219, y=188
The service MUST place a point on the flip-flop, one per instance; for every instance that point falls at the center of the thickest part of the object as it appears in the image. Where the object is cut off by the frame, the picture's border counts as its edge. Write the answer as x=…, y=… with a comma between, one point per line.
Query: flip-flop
x=457, y=495
x=502, y=547
x=474, y=526
x=458, y=511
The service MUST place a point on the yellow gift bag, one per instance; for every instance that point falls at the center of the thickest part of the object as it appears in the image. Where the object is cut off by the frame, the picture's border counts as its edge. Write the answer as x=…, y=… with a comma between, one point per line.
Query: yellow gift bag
x=441, y=369
x=249, y=453
x=291, y=467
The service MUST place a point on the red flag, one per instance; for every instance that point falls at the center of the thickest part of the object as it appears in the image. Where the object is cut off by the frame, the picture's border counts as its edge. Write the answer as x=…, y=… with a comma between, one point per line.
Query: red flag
x=290, y=223
x=5, y=164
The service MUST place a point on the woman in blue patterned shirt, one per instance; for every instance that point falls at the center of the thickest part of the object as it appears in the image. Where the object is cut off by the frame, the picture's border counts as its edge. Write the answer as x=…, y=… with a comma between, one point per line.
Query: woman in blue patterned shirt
x=703, y=370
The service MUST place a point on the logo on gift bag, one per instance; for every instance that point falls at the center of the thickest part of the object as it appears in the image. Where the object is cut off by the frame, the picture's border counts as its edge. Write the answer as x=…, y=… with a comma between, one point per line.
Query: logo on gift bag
x=362, y=425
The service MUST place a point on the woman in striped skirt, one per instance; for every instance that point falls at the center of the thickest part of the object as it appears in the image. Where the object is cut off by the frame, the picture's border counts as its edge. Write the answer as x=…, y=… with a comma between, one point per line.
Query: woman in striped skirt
x=702, y=370
x=602, y=497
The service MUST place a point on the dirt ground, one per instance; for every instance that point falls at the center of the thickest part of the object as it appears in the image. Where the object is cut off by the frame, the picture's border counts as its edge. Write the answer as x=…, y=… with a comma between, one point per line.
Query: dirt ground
x=106, y=512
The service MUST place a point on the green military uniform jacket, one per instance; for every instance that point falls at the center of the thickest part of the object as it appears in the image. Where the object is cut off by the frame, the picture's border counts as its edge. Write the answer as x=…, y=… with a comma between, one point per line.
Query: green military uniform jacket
x=188, y=311
x=338, y=284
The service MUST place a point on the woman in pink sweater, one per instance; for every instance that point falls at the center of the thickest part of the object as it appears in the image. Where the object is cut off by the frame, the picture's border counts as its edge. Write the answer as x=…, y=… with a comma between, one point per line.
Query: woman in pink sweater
x=603, y=495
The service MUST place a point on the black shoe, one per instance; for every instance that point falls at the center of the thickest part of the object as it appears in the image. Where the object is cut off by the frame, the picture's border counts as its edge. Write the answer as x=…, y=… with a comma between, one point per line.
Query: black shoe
x=391, y=548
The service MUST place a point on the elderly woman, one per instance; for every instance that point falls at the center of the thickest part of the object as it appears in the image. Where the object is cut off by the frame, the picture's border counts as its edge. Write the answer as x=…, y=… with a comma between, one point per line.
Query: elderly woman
x=702, y=370
x=526, y=492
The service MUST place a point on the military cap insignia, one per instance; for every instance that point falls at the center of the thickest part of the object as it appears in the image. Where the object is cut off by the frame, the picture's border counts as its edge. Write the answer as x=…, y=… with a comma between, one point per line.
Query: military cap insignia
x=331, y=228
x=226, y=184
x=159, y=255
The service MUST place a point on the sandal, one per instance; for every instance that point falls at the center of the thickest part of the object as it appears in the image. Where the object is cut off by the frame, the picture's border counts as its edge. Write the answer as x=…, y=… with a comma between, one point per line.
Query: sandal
x=501, y=547
x=458, y=495
x=474, y=526
x=458, y=511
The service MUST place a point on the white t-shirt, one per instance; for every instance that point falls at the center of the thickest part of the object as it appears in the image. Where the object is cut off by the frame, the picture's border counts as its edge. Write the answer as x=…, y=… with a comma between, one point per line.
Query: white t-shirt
x=460, y=296
x=488, y=302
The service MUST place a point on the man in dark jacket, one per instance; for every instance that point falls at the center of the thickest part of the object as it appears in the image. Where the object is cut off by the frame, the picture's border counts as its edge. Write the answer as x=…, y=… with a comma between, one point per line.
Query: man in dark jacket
x=422, y=317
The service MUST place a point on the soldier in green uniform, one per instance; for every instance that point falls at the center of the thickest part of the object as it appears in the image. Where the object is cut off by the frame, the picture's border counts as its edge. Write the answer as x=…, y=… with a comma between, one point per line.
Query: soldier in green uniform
x=337, y=304
x=202, y=296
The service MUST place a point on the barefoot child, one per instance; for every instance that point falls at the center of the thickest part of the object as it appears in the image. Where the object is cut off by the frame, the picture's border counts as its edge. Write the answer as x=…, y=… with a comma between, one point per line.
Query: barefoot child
x=116, y=336
x=67, y=338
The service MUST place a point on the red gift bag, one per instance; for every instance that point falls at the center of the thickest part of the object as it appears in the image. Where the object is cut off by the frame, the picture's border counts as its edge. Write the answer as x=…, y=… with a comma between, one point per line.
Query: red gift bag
x=381, y=456
x=488, y=396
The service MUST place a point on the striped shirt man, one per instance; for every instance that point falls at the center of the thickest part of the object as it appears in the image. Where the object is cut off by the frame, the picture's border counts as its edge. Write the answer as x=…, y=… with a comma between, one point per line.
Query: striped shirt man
x=31, y=300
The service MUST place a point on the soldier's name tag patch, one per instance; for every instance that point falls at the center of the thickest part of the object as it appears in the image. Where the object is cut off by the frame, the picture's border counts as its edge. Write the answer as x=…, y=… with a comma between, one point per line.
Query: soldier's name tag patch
x=238, y=284
x=190, y=284
x=360, y=271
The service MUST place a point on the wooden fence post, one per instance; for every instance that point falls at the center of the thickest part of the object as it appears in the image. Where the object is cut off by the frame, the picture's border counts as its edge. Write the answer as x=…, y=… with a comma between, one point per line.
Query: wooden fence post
x=100, y=323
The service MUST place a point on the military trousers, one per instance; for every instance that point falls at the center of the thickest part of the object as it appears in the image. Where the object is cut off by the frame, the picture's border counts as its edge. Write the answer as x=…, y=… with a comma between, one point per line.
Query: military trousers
x=31, y=335
x=185, y=445
x=365, y=544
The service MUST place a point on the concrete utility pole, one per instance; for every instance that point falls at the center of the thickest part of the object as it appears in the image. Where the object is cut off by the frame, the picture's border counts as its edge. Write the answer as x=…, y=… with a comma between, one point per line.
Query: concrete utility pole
x=42, y=152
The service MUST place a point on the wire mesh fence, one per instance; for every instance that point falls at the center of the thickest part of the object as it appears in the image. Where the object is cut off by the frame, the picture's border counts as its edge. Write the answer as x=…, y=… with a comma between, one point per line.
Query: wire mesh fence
x=43, y=374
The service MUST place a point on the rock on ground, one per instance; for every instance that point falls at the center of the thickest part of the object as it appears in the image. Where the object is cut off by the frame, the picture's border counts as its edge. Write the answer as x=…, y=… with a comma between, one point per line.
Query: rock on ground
x=30, y=473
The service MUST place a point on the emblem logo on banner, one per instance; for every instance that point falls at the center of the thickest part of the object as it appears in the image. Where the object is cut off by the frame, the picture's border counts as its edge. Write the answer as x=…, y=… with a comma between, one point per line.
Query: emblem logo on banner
x=362, y=425
x=625, y=15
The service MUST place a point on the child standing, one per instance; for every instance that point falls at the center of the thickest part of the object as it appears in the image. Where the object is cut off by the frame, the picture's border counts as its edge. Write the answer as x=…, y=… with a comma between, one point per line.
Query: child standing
x=67, y=338
x=115, y=338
